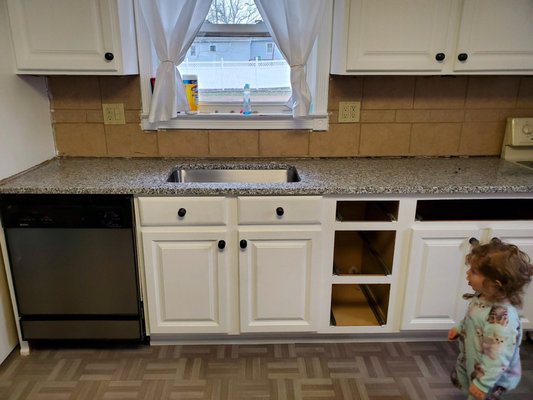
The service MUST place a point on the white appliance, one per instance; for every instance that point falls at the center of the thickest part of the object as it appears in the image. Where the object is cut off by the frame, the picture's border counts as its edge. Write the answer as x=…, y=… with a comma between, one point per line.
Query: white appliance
x=518, y=142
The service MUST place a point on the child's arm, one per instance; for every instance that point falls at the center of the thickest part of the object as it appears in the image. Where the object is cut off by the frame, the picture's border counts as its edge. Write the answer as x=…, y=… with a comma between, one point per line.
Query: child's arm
x=455, y=331
x=453, y=334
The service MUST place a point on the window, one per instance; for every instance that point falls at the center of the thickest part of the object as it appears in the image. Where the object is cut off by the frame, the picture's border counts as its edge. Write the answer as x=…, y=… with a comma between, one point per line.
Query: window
x=234, y=55
x=226, y=56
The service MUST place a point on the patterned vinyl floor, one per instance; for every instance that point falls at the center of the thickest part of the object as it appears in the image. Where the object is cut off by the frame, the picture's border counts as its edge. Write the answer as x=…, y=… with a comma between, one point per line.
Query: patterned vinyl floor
x=373, y=371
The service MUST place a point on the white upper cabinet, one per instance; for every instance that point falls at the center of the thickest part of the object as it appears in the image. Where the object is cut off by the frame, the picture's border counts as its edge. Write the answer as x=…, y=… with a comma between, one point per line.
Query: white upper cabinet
x=496, y=36
x=74, y=37
x=432, y=37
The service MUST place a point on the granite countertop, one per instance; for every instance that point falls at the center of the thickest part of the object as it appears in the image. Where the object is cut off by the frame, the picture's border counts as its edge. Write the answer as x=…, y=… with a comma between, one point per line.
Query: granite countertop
x=336, y=176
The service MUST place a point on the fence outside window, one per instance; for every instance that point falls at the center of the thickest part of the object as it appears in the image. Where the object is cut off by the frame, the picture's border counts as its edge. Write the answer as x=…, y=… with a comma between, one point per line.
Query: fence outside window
x=231, y=75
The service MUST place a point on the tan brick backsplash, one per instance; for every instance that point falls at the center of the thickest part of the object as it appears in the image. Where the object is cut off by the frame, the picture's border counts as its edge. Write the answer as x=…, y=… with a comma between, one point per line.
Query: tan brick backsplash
x=283, y=143
x=434, y=92
x=342, y=140
x=183, y=143
x=400, y=115
x=129, y=140
x=80, y=140
x=481, y=138
x=229, y=143
x=385, y=139
x=435, y=139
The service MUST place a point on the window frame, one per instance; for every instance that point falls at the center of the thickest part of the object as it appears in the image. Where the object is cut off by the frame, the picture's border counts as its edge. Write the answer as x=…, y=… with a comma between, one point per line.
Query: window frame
x=317, y=78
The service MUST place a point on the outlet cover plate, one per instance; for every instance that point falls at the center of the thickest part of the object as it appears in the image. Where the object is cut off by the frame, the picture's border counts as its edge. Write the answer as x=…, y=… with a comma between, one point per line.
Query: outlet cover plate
x=349, y=111
x=113, y=114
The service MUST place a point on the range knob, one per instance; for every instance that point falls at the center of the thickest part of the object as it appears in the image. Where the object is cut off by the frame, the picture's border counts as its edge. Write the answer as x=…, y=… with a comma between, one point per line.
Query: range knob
x=527, y=129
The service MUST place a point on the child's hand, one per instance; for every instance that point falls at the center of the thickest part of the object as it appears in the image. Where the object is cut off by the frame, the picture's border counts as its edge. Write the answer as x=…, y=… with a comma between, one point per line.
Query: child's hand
x=476, y=392
x=452, y=334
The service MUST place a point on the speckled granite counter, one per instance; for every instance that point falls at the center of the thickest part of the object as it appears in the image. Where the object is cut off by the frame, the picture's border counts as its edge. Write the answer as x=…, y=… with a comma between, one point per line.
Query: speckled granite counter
x=318, y=176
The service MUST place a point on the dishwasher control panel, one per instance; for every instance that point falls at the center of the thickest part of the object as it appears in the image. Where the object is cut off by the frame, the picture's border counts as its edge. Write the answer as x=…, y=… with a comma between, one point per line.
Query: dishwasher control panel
x=518, y=141
x=521, y=131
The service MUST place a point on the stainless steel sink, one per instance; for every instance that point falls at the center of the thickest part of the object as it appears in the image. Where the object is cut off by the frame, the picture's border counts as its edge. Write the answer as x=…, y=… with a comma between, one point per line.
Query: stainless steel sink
x=225, y=175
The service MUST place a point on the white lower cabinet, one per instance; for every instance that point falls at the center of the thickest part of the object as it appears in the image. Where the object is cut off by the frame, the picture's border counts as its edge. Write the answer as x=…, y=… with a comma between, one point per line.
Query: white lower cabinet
x=436, y=270
x=230, y=265
x=187, y=280
x=278, y=279
x=437, y=277
x=338, y=265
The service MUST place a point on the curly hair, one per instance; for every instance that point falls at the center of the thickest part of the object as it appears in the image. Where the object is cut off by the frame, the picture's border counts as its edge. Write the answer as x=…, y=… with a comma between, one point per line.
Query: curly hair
x=506, y=269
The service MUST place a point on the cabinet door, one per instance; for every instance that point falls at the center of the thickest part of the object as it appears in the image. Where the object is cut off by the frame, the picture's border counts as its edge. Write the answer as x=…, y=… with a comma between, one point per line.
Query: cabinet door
x=187, y=281
x=496, y=36
x=436, y=277
x=278, y=280
x=394, y=35
x=523, y=238
x=69, y=37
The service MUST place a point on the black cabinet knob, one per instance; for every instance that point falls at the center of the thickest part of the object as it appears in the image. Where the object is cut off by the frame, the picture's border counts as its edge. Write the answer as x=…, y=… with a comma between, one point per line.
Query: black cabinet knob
x=462, y=57
x=221, y=244
x=182, y=212
x=440, y=56
x=473, y=241
x=243, y=243
x=109, y=56
x=280, y=211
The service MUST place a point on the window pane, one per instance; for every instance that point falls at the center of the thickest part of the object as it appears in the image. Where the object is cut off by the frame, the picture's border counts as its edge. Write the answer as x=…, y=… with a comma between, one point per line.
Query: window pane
x=233, y=12
x=226, y=58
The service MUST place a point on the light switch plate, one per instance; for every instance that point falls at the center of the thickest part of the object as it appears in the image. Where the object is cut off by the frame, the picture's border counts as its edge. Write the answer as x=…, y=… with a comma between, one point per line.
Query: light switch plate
x=349, y=111
x=113, y=114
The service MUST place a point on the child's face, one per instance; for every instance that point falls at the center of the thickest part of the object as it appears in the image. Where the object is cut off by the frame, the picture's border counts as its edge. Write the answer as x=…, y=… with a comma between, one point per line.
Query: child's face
x=475, y=279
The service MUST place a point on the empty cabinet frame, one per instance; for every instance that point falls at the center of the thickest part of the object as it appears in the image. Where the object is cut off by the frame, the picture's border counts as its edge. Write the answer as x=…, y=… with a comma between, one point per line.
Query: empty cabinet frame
x=362, y=252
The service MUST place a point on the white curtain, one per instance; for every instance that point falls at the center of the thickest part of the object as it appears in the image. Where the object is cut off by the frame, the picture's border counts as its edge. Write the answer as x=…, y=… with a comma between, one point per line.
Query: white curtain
x=294, y=25
x=173, y=25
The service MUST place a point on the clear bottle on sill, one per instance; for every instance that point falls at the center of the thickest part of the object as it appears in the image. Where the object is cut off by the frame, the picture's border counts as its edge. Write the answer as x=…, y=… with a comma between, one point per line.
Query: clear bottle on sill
x=246, y=102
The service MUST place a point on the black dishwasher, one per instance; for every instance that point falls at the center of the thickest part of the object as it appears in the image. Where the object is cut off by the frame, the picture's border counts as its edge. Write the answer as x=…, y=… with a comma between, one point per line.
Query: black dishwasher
x=73, y=265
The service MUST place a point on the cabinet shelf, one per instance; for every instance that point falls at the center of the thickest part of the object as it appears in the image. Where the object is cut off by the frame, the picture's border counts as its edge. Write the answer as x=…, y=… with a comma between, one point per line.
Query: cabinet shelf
x=351, y=211
x=363, y=252
x=359, y=305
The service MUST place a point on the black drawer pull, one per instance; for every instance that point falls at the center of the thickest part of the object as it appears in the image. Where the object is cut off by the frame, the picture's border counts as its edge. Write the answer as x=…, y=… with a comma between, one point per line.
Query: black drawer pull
x=473, y=241
x=182, y=212
x=280, y=211
x=243, y=243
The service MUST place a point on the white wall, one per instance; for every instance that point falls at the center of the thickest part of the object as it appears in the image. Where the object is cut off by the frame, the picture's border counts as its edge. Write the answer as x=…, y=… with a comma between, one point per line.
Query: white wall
x=26, y=139
x=26, y=136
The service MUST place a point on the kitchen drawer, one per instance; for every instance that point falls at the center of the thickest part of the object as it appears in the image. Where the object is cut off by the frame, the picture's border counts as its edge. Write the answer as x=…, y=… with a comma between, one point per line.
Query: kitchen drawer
x=280, y=210
x=195, y=211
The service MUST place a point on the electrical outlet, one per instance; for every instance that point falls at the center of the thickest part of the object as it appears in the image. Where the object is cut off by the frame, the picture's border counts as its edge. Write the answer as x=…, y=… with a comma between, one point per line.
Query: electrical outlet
x=349, y=111
x=113, y=114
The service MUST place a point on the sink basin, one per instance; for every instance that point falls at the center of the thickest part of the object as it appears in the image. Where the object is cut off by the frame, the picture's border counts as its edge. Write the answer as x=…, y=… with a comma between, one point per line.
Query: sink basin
x=225, y=175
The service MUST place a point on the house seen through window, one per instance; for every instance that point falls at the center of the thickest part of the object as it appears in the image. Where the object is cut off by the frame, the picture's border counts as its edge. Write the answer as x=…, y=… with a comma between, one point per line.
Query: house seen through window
x=233, y=48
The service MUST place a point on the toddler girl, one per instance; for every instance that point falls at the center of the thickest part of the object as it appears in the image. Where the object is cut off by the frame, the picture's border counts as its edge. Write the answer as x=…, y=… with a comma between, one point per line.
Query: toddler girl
x=490, y=333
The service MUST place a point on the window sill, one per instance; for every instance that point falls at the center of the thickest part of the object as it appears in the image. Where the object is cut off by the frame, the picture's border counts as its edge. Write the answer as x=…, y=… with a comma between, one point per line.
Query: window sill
x=232, y=121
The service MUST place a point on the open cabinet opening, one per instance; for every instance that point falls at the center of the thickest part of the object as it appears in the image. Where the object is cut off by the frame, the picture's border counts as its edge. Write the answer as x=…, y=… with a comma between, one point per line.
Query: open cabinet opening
x=359, y=305
x=367, y=211
x=363, y=252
